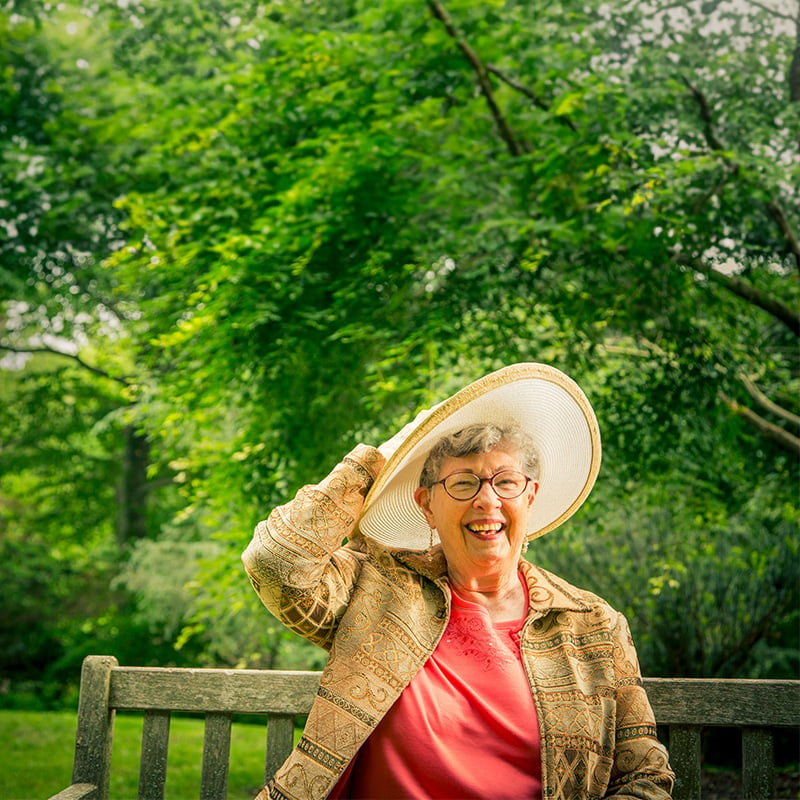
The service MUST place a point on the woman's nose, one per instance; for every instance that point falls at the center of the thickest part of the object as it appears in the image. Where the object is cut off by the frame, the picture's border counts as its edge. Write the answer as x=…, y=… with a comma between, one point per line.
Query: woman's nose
x=486, y=497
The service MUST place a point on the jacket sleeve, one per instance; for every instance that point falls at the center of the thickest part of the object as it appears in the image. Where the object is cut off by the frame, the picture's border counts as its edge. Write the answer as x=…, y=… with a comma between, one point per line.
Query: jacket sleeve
x=641, y=765
x=296, y=561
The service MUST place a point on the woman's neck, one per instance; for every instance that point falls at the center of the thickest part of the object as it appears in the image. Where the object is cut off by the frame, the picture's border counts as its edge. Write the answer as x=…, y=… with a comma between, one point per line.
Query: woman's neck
x=503, y=596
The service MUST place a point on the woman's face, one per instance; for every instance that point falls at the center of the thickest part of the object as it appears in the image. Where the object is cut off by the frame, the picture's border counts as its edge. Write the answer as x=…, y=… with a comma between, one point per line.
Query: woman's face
x=485, y=534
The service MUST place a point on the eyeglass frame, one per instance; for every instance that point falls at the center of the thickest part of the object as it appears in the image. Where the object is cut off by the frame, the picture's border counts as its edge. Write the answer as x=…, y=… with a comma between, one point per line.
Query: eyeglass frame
x=481, y=481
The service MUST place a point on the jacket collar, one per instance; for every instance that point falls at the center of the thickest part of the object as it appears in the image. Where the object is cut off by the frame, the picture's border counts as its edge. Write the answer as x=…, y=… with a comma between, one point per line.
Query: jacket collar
x=546, y=591
x=550, y=593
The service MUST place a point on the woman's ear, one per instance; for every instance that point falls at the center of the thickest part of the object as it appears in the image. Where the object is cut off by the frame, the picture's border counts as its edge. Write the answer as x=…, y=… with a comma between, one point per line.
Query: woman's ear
x=422, y=497
x=533, y=489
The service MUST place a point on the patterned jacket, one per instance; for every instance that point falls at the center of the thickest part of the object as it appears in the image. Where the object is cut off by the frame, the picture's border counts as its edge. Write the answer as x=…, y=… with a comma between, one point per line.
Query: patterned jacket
x=380, y=613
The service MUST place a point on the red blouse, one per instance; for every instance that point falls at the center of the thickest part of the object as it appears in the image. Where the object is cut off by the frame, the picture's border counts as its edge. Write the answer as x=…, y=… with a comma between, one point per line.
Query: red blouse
x=464, y=728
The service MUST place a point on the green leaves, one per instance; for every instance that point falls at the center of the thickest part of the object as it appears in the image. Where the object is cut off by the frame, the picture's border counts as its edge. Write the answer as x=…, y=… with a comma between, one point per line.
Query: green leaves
x=283, y=228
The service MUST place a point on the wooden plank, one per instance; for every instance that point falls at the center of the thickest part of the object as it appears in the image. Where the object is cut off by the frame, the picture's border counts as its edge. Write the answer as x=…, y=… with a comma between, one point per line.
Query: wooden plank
x=95, y=729
x=730, y=703
x=236, y=691
x=684, y=756
x=78, y=791
x=692, y=701
x=216, y=756
x=153, y=763
x=758, y=777
x=280, y=738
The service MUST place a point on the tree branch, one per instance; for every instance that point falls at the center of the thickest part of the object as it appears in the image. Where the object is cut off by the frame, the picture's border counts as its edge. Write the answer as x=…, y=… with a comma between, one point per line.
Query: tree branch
x=729, y=172
x=736, y=654
x=87, y=287
x=768, y=404
x=773, y=11
x=521, y=88
x=783, y=224
x=705, y=115
x=530, y=94
x=94, y=370
x=438, y=10
x=787, y=315
x=787, y=440
x=715, y=144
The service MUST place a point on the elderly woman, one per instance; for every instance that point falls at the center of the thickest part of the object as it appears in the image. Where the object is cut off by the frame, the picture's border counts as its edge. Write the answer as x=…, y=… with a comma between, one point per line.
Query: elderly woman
x=457, y=668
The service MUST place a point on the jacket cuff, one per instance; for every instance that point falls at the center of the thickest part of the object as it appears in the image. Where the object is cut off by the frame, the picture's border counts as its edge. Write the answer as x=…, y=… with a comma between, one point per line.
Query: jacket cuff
x=368, y=458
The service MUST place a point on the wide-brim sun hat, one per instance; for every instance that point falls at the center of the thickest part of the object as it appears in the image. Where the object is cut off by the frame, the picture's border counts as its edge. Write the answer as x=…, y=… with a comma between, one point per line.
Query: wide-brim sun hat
x=541, y=400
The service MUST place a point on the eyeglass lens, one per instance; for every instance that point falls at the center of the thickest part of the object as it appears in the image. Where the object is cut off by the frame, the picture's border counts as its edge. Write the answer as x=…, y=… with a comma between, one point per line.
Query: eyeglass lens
x=465, y=485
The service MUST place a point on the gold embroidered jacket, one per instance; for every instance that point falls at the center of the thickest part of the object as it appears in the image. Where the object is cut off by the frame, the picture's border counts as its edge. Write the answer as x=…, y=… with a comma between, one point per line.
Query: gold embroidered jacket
x=380, y=613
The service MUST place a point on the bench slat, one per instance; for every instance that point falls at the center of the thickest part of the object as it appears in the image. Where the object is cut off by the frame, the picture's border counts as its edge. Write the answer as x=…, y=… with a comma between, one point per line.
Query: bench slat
x=232, y=691
x=280, y=738
x=216, y=756
x=758, y=778
x=78, y=791
x=153, y=764
x=731, y=703
x=684, y=756
x=95, y=731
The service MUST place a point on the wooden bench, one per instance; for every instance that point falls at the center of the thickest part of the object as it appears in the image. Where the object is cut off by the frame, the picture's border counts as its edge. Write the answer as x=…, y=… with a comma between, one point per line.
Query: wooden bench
x=684, y=706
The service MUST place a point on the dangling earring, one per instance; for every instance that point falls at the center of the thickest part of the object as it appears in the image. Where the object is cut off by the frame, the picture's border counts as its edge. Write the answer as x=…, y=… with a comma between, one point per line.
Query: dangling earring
x=525, y=547
x=429, y=552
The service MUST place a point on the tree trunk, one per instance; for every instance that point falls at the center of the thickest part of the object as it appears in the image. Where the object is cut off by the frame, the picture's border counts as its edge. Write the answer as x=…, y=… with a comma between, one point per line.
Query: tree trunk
x=132, y=489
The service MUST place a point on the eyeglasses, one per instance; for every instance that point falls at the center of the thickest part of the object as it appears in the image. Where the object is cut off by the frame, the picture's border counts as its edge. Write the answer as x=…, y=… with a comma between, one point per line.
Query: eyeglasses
x=507, y=484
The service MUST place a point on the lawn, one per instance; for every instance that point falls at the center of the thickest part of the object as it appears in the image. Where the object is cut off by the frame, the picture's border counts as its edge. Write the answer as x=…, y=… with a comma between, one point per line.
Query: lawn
x=36, y=756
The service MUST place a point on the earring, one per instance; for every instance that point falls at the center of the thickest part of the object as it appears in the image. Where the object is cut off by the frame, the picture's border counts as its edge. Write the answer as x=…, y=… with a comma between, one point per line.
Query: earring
x=525, y=547
x=430, y=544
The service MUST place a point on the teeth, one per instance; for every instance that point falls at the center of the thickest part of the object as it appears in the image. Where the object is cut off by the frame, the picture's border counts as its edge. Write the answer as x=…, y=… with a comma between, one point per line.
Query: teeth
x=485, y=527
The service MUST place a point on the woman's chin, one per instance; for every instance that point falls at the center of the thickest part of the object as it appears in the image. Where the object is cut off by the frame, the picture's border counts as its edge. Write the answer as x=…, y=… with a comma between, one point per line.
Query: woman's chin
x=490, y=550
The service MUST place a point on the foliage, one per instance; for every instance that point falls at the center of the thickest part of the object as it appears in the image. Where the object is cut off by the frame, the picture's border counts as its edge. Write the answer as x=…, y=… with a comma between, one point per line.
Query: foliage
x=260, y=232
x=60, y=542
x=710, y=588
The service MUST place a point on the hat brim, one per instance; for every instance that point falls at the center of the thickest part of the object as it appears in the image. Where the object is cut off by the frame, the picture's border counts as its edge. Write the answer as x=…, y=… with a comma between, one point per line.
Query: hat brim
x=542, y=400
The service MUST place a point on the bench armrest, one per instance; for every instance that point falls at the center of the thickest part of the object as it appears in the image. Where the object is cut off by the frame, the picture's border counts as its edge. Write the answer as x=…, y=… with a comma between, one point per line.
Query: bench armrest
x=78, y=791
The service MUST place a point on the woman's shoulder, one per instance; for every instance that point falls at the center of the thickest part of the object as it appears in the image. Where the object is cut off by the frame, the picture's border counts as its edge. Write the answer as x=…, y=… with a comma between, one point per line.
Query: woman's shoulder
x=562, y=594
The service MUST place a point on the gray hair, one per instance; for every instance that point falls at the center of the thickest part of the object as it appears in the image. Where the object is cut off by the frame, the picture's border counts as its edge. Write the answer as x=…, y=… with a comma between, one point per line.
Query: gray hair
x=478, y=439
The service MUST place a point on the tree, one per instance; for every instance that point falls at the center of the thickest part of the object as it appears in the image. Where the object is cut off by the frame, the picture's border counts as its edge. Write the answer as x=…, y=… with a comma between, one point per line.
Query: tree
x=310, y=226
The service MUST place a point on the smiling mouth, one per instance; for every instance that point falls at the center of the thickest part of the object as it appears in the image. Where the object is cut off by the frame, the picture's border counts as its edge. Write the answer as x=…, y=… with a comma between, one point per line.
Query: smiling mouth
x=485, y=528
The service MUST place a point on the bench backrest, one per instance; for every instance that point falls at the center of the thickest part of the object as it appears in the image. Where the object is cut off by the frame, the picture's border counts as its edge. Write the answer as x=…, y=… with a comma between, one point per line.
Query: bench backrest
x=684, y=706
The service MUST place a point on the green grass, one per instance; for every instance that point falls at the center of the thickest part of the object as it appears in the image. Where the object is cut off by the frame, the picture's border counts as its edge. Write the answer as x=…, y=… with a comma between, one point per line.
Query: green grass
x=37, y=748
